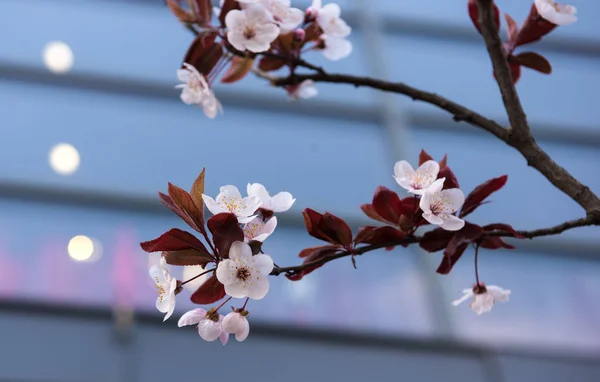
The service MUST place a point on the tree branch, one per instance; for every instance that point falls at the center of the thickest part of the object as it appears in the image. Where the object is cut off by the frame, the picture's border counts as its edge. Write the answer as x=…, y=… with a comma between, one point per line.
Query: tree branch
x=519, y=134
x=459, y=112
x=555, y=230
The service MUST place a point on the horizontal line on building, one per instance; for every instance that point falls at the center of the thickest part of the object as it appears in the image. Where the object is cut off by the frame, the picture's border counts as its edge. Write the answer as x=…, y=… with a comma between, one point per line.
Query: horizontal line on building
x=332, y=336
x=553, y=247
x=337, y=111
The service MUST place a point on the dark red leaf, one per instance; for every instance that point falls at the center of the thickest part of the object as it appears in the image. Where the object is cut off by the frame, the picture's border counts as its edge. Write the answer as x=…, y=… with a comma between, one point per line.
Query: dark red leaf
x=533, y=61
x=268, y=64
x=239, y=68
x=451, y=181
x=436, y=240
x=336, y=228
x=387, y=204
x=503, y=227
x=369, y=210
x=424, y=157
x=513, y=29
x=186, y=208
x=480, y=193
x=204, y=53
x=494, y=242
x=444, y=162
x=183, y=15
x=209, y=292
x=174, y=240
x=225, y=230
x=228, y=5
x=379, y=236
x=309, y=251
x=196, y=193
x=187, y=257
x=468, y=234
x=312, y=219
x=515, y=71
x=448, y=261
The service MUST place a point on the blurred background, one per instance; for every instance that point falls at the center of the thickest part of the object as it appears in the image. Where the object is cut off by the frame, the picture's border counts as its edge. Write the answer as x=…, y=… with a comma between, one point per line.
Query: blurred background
x=91, y=129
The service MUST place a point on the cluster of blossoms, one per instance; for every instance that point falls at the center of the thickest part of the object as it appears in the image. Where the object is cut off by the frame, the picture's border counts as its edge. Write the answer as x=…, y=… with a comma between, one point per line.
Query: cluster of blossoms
x=239, y=225
x=270, y=32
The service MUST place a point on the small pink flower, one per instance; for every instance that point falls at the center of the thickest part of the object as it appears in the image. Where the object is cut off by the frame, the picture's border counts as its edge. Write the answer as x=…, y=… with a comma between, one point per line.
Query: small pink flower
x=236, y=323
x=483, y=297
x=209, y=324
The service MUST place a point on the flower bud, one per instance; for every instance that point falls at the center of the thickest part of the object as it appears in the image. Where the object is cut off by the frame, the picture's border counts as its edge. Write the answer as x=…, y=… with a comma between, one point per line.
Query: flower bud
x=236, y=323
x=310, y=15
x=299, y=35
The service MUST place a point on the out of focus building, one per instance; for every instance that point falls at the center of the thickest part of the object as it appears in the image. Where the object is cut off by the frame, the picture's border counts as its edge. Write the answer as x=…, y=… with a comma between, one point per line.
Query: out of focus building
x=72, y=272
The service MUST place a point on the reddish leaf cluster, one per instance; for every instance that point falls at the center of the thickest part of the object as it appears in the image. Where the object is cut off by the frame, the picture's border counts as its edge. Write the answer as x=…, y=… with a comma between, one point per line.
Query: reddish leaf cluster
x=454, y=244
x=182, y=248
x=533, y=29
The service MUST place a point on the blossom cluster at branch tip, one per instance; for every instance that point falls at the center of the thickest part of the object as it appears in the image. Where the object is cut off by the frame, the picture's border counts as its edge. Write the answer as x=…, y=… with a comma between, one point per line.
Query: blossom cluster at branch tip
x=335, y=30
x=483, y=297
x=195, y=90
x=559, y=14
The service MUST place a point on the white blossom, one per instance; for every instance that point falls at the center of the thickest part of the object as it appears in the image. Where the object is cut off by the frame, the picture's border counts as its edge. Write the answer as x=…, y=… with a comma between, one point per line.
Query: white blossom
x=279, y=202
x=439, y=205
x=283, y=14
x=209, y=324
x=483, y=297
x=306, y=89
x=329, y=19
x=559, y=14
x=335, y=48
x=165, y=285
x=244, y=275
x=251, y=28
x=230, y=200
x=416, y=182
x=237, y=323
x=196, y=91
x=258, y=230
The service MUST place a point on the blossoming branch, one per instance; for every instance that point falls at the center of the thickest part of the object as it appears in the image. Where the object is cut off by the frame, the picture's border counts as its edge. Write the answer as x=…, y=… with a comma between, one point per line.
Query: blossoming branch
x=266, y=36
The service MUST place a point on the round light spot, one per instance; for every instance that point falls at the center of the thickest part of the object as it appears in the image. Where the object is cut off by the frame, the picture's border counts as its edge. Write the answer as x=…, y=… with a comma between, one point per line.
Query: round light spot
x=64, y=159
x=193, y=271
x=58, y=57
x=81, y=248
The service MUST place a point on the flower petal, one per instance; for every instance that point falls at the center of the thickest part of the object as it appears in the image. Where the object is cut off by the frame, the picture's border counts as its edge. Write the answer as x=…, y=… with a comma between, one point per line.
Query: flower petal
x=403, y=170
x=263, y=263
x=237, y=289
x=229, y=191
x=466, y=295
x=237, y=324
x=249, y=205
x=226, y=272
x=432, y=218
x=266, y=230
x=259, y=287
x=451, y=200
x=427, y=173
x=209, y=330
x=170, y=308
x=498, y=293
x=224, y=337
x=258, y=190
x=282, y=202
x=240, y=251
x=212, y=205
x=192, y=317
x=482, y=303
x=336, y=48
x=451, y=223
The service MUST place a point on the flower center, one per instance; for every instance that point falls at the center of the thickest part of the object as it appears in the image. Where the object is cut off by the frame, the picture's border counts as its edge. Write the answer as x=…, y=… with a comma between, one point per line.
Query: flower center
x=160, y=289
x=251, y=230
x=243, y=274
x=231, y=204
x=249, y=33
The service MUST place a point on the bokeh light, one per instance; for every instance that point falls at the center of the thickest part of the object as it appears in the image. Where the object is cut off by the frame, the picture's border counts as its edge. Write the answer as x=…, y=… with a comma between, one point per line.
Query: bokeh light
x=81, y=248
x=64, y=159
x=58, y=57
